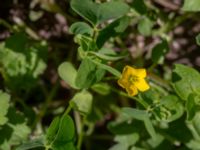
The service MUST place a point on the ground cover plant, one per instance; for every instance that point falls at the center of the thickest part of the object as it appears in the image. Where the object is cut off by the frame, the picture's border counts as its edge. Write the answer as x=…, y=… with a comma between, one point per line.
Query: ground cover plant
x=99, y=75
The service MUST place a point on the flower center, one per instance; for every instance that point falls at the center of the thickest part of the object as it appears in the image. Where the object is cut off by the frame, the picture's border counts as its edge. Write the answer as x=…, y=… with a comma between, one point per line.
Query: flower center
x=133, y=78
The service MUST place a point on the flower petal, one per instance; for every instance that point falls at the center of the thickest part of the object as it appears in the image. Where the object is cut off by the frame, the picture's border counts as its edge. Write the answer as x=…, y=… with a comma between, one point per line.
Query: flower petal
x=126, y=72
x=122, y=82
x=141, y=73
x=142, y=85
x=132, y=90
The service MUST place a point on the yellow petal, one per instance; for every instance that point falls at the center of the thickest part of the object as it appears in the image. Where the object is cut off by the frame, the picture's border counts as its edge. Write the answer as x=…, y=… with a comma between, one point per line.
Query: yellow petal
x=141, y=73
x=136, y=72
x=126, y=72
x=142, y=85
x=122, y=82
x=132, y=90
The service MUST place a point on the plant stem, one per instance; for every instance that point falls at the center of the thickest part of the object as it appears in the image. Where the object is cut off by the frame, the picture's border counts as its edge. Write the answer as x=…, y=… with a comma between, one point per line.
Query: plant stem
x=141, y=101
x=80, y=129
x=46, y=104
x=6, y=24
x=67, y=110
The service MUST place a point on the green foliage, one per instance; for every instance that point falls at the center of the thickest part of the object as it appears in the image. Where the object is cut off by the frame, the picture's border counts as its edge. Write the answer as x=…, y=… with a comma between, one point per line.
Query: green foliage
x=60, y=67
x=191, y=5
x=88, y=74
x=22, y=61
x=13, y=127
x=139, y=6
x=186, y=81
x=60, y=134
x=81, y=28
x=4, y=103
x=198, y=39
x=125, y=141
x=143, y=116
x=82, y=102
x=159, y=51
x=68, y=73
x=145, y=26
x=98, y=13
x=115, y=28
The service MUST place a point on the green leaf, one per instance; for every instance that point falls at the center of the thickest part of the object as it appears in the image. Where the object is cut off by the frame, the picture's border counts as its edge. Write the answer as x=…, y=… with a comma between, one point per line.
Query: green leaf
x=88, y=74
x=66, y=131
x=159, y=51
x=114, y=29
x=145, y=26
x=135, y=113
x=122, y=125
x=98, y=13
x=198, y=39
x=31, y=144
x=17, y=42
x=86, y=43
x=185, y=80
x=143, y=116
x=23, y=63
x=139, y=6
x=191, y=106
x=4, y=103
x=66, y=146
x=170, y=108
x=125, y=141
x=82, y=102
x=195, y=126
x=13, y=135
x=68, y=73
x=108, y=68
x=81, y=28
x=52, y=130
x=191, y=5
x=107, y=57
x=60, y=133
x=101, y=88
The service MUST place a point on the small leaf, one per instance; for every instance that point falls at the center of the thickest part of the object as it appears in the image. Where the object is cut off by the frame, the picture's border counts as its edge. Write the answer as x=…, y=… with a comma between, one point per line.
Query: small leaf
x=98, y=13
x=68, y=73
x=139, y=6
x=31, y=144
x=108, y=68
x=143, y=116
x=135, y=113
x=159, y=51
x=125, y=141
x=61, y=133
x=4, y=103
x=198, y=39
x=86, y=43
x=88, y=74
x=20, y=41
x=191, y=5
x=66, y=146
x=191, y=106
x=114, y=29
x=52, y=130
x=145, y=26
x=66, y=131
x=101, y=88
x=82, y=102
x=186, y=80
x=81, y=28
x=171, y=107
x=107, y=57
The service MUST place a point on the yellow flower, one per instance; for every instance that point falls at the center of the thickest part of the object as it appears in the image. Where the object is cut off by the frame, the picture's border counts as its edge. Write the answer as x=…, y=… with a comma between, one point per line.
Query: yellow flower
x=133, y=80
